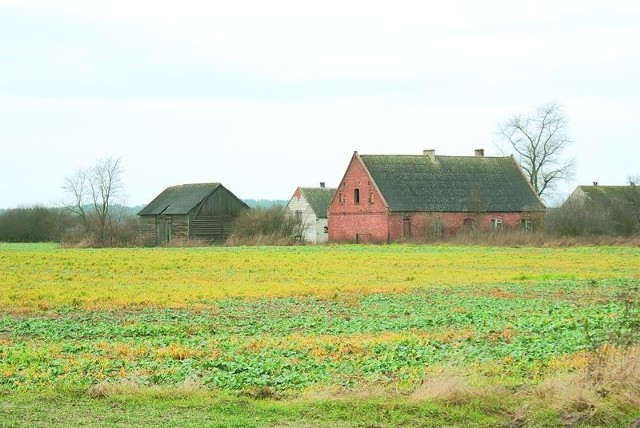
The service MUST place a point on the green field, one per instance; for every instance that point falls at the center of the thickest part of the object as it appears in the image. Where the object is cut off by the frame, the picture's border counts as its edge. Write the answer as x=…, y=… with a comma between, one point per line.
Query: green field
x=365, y=336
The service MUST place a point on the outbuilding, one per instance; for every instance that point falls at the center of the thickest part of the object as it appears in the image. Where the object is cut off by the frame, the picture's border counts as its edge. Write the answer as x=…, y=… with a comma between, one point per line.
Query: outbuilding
x=201, y=212
x=309, y=205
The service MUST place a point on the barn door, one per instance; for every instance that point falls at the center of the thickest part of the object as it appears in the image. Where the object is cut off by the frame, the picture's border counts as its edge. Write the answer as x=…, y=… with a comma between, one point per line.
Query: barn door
x=163, y=230
x=406, y=227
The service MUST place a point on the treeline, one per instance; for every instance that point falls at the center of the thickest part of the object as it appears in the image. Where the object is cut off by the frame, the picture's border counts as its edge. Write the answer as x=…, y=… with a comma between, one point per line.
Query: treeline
x=52, y=224
x=275, y=226
x=35, y=224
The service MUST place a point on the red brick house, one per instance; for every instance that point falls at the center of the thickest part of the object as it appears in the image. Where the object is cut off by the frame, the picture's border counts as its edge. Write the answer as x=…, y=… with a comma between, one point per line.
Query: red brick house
x=386, y=198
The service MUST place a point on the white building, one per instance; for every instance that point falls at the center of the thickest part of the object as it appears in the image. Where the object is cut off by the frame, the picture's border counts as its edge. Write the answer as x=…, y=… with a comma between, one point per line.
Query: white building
x=309, y=204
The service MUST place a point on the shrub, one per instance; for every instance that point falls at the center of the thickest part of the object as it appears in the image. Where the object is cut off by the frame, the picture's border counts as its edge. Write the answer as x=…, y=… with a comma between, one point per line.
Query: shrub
x=34, y=224
x=265, y=226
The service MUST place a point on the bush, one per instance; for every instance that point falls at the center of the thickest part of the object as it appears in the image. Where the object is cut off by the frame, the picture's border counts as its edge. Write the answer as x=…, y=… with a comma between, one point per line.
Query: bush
x=265, y=226
x=34, y=224
x=123, y=231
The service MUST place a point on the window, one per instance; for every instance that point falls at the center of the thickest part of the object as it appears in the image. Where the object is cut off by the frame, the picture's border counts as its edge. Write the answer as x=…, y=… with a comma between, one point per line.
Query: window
x=326, y=229
x=496, y=223
x=468, y=223
x=526, y=224
x=371, y=198
x=356, y=196
x=340, y=199
x=298, y=214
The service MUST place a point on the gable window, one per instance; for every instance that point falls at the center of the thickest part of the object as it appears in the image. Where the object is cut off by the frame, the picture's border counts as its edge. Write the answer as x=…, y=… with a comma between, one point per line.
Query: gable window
x=356, y=196
x=496, y=223
x=298, y=214
x=371, y=200
x=340, y=199
x=526, y=224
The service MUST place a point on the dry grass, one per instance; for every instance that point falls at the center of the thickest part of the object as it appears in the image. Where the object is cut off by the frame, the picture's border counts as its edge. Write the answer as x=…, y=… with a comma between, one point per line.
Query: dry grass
x=135, y=386
x=609, y=375
x=272, y=239
x=447, y=386
x=534, y=239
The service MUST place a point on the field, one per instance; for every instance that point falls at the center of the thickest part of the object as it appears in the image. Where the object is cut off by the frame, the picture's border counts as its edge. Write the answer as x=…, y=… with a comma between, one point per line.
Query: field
x=366, y=336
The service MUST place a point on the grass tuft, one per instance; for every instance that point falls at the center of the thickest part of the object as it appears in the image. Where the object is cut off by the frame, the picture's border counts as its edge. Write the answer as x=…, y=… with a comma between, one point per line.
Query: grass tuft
x=448, y=387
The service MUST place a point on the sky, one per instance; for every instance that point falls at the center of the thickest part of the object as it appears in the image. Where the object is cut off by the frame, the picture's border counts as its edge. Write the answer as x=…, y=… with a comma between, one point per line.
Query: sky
x=266, y=96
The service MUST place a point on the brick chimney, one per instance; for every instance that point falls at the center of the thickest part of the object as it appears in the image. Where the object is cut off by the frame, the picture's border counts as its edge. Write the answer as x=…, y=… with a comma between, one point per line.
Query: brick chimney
x=479, y=153
x=431, y=153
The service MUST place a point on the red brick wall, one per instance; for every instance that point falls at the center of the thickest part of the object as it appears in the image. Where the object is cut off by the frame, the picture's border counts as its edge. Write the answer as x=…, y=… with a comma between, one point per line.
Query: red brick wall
x=425, y=225
x=350, y=221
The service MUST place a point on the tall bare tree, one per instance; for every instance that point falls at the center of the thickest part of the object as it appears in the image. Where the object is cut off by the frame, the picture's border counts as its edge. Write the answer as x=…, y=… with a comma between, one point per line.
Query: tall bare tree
x=539, y=141
x=96, y=188
x=105, y=184
x=76, y=186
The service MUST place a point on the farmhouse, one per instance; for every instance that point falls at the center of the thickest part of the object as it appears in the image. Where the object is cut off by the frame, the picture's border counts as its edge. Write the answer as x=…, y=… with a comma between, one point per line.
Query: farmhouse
x=309, y=205
x=385, y=198
x=199, y=211
x=604, y=209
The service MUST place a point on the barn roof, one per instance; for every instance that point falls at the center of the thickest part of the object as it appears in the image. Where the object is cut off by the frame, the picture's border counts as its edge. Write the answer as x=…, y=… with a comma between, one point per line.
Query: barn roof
x=318, y=198
x=606, y=195
x=179, y=199
x=420, y=183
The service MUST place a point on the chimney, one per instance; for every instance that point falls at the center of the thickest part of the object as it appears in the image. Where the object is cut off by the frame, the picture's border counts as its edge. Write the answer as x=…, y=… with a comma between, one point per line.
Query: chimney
x=322, y=184
x=431, y=153
x=479, y=153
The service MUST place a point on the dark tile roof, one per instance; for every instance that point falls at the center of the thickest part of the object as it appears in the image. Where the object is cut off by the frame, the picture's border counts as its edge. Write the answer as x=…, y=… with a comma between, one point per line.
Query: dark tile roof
x=318, y=198
x=179, y=199
x=607, y=195
x=415, y=183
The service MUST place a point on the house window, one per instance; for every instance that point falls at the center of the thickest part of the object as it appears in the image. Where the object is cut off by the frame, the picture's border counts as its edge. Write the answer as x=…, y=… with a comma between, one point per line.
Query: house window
x=298, y=215
x=340, y=199
x=496, y=223
x=356, y=196
x=468, y=223
x=526, y=224
x=326, y=229
x=371, y=198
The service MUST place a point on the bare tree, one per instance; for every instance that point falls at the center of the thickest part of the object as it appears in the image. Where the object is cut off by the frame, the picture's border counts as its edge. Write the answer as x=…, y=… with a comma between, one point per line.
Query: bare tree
x=76, y=186
x=105, y=184
x=96, y=188
x=539, y=141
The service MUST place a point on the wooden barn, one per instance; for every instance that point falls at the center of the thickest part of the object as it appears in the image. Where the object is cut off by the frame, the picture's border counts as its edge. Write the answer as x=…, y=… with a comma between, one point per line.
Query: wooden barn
x=386, y=198
x=190, y=212
x=309, y=205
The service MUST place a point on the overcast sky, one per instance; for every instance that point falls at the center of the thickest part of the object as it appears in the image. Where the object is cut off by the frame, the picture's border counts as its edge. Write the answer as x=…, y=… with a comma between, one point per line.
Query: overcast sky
x=265, y=96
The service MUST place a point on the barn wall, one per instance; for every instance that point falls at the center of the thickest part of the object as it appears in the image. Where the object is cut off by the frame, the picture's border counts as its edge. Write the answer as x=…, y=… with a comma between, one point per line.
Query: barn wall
x=214, y=229
x=220, y=203
x=180, y=227
x=435, y=225
x=212, y=221
x=357, y=221
x=358, y=227
x=148, y=230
